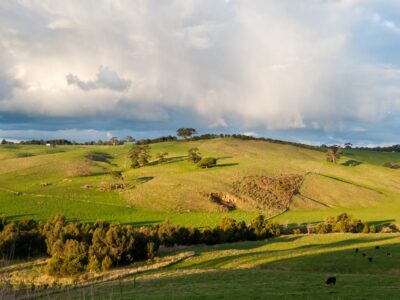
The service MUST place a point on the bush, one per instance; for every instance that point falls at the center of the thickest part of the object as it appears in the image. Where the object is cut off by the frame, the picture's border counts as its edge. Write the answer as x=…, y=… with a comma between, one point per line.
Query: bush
x=296, y=231
x=207, y=162
x=372, y=229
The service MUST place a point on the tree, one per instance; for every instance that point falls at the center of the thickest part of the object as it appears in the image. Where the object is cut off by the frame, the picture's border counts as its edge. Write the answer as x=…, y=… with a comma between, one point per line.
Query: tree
x=161, y=156
x=139, y=155
x=129, y=139
x=186, y=132
x=348, y=145
x=207, y=162
x=194, y=155
x=3, y=142
x=114, y=141
x=333, y=155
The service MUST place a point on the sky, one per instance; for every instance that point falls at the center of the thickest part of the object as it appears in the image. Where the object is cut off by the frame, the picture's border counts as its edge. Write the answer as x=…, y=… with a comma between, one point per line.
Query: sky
x=312, y=71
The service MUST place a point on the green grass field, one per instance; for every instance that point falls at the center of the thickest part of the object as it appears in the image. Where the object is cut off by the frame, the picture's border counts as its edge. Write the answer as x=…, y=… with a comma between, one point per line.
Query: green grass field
x=173, y=190
x=38, y=182
x=288, y=267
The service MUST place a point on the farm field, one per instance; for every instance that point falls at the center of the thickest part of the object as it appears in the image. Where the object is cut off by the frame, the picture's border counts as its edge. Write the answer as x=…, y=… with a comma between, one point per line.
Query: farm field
x=287, y=267
x=38, y=182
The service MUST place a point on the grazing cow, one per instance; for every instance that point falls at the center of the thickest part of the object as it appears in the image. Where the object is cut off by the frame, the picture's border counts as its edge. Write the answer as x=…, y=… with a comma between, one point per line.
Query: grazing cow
x=388, y=254
x=331, y=280
x=376, y=247
x=364, y=254
x=356, y=250
x=370, y=259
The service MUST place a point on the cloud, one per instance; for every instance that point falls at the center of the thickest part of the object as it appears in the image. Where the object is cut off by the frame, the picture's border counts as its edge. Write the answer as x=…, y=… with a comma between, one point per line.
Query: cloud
x=104, y=79
x=246, y=66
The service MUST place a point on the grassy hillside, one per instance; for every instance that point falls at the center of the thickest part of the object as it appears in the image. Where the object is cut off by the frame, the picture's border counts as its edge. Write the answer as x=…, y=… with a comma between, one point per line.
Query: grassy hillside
x=37, y=182
x=288, y=267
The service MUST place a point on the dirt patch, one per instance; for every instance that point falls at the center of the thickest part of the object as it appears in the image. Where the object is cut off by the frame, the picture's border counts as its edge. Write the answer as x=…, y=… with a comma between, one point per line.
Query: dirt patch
x=225, y=201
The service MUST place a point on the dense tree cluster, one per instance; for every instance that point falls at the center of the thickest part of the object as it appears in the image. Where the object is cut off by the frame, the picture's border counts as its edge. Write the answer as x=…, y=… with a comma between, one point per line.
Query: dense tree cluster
x=393, y=148
x=76, y=247
x=341, y=223
x=157, y=140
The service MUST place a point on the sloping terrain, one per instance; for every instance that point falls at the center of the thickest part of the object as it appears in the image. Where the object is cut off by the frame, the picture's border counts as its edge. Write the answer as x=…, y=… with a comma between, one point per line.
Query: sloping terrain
x=38, y=182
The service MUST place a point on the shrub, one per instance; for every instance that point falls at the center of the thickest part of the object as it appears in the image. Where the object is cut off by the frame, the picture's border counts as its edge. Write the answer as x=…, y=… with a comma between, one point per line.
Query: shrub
x=194, y=155
x=386, y=229
x=207, y=162
x=372, y=229
x=365, y=228
x=296, y=231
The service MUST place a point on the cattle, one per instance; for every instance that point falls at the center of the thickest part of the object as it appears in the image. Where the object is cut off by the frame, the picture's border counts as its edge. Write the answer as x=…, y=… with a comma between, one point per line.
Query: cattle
x=356, y=250
x=377, y=247
x=388, y=254
x=364, y=254
x=370, y=259
x=331, y=280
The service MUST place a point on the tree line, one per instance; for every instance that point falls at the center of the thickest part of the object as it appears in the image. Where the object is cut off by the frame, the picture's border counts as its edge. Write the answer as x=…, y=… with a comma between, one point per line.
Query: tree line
x=76, y=247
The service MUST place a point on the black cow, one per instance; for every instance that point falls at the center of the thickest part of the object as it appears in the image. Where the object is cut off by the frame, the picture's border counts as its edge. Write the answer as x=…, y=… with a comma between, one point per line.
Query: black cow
x=370, y=259
x=377, y=247
x=331, y=281
x=356, y=250
x=388, y=254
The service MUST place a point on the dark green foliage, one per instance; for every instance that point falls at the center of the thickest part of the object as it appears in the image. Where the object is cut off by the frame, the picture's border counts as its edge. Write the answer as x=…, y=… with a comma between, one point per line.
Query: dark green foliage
x=3, y=222
x=207, y=162
x=186, y=132
x=20, y=239
x=76, y=247
x=210, y=236
x=262, y=229
x=194, y=155
x=68, y=258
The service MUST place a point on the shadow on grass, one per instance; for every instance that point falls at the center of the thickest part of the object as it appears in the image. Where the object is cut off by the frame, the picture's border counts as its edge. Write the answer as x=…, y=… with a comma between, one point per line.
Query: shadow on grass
x=351, y=163
x=167, y=160
x=300, y=253
x=144, y=179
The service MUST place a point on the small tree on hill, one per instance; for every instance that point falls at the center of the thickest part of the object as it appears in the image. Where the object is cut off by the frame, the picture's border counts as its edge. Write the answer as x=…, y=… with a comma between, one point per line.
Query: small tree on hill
x=194, y=155
x=129, y=139
x=139, y=155
x=186, y=132
x=333, y=155
x=114, y=141
x=161, y=156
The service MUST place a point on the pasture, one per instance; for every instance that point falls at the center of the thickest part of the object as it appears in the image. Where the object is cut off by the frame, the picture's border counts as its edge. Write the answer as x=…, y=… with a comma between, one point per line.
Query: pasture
x=287, y=267
x=38, y=182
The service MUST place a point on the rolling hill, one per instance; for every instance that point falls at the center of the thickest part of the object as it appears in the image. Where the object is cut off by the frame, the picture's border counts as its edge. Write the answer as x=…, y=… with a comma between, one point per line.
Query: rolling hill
x=38, y=182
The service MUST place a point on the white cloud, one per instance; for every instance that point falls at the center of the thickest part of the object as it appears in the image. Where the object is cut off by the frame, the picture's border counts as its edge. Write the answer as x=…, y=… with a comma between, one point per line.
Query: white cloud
x=263, y=64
